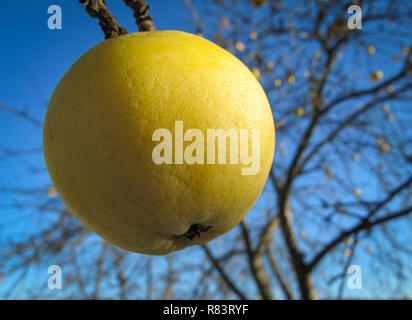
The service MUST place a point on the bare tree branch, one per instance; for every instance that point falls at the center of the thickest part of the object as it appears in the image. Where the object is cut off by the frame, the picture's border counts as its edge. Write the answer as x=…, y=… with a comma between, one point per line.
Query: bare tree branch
x=364, y=224
x=348, y=121
x=98, y=9
x=140, y=8
x=275, y=269
x=195, y=16
x=23, y=114
x=374, y=89
x=256, y=266
x=223, y=274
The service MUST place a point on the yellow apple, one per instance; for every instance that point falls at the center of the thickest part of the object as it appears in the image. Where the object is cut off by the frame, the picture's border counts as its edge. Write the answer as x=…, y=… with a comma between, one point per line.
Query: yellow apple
x=99, y=140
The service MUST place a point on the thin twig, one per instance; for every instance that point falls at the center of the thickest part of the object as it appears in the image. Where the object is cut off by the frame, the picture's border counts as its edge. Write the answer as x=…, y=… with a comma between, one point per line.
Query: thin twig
x=140, y=8
x=275, y=269
x=256, y=266
x=362, y=225
x=195, y=16
x=98, y=9
x=222, y=273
